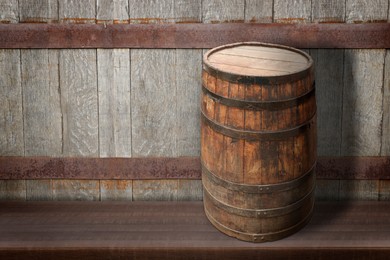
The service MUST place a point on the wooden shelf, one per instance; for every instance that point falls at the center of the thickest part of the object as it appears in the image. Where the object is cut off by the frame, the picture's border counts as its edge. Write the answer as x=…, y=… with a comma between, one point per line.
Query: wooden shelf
x=180, y=230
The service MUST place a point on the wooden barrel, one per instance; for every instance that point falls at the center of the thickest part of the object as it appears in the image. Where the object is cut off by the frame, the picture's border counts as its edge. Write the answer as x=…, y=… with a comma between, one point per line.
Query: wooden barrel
x=258, y=140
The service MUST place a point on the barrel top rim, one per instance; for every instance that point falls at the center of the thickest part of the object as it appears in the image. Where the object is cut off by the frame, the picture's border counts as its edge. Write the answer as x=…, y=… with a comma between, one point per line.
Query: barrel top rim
x=250, y=78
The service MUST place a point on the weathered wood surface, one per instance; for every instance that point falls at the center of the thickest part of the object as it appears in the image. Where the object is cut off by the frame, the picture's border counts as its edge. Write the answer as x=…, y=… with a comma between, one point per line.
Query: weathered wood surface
x=42, y=115
x=71, y=190
x=11, y=113
x=9, y=11
x=259, y=11
x=359, y=190
x=328, y=11
x=38, y=11
x=292, y=11
x=385, y=149
x=358, y=11
x=113, y=78
x=39, y=190
x=219, y=11
x=108, y=11
x=363, y=87
x=71, y=11
x=180, y=230
x=12, y=190
x=116, y=190
x=153, y=190
x=329, y=69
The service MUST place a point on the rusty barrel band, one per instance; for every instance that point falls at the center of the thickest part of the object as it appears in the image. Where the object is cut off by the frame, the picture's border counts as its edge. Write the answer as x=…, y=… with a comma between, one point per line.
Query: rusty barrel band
x=256, y=135
x=235, y=78
x=257, y=105
x=259, y=213
x=262, y=237
x=284, y=186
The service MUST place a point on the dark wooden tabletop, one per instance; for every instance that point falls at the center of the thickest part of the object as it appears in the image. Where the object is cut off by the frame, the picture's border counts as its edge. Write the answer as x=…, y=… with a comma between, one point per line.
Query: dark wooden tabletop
x=180, y=230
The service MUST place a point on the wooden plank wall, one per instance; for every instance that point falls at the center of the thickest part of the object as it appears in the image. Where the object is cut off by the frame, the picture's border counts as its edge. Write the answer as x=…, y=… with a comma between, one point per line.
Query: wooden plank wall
x=139, y=102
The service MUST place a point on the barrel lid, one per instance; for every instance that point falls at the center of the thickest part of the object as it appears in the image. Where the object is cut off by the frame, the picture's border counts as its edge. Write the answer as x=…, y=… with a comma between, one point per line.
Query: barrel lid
x=255, y=62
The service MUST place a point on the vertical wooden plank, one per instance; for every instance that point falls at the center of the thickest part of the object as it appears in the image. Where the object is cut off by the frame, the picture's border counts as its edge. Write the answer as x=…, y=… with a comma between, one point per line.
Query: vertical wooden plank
x=150, y=11
x=12, y=190
x=78, y=83
x=259, y=11
x=292, y=11
x=328, y=11
x=189, y=190
x=188, y=11
x=329, y=66
x=153, y=99
x=155, y=190
x=153, y=95
x=9, y=11
x=41, y=103
x=39, y=190
x=188, y=81
x=359, y=189
x=116, y=190
x=114, y=88
x=11, y=114
x=112, y=11
x=76, y=190
x=38, y=11
x=363, y=87
x=362, y=103
x=385, y=149
x=71, y=11
x=219, y=11
x=79, y=102
x=41, y=98
x=358, y=11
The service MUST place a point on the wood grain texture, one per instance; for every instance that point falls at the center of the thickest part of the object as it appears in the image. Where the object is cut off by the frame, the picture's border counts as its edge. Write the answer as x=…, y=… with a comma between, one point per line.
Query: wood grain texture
x=38, y=11
x=329, y=92
x=41, y=103
x=359, y=190
x=362, y=102
x=153, y=95
x=114, y=190
x=113, y=67
x=219, y=11
x=292, y=11
x=328, y=11
x=180, y=230
x=114, y=102
x=79, y=102
x=259, y=11
x=11, y=108
x=189, y=190
x=39, y=190
x=112, y=11
x=153, y=99
x=70, y=190
x=155, y=190
x=150, y=11
x=71, y=11
x=9, y=11
x=385, y=148
x=188, y=82
x=12, y=190
x=188, y=11
x=358, y=11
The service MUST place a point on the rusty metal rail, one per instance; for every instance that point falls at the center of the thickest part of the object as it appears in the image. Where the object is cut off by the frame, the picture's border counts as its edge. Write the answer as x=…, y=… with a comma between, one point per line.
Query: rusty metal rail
x=193, y=35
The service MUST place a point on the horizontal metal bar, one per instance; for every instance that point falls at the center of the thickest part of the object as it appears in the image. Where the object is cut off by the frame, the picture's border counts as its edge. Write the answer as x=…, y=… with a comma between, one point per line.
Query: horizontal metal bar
x=193, y=35
x=19, y=167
